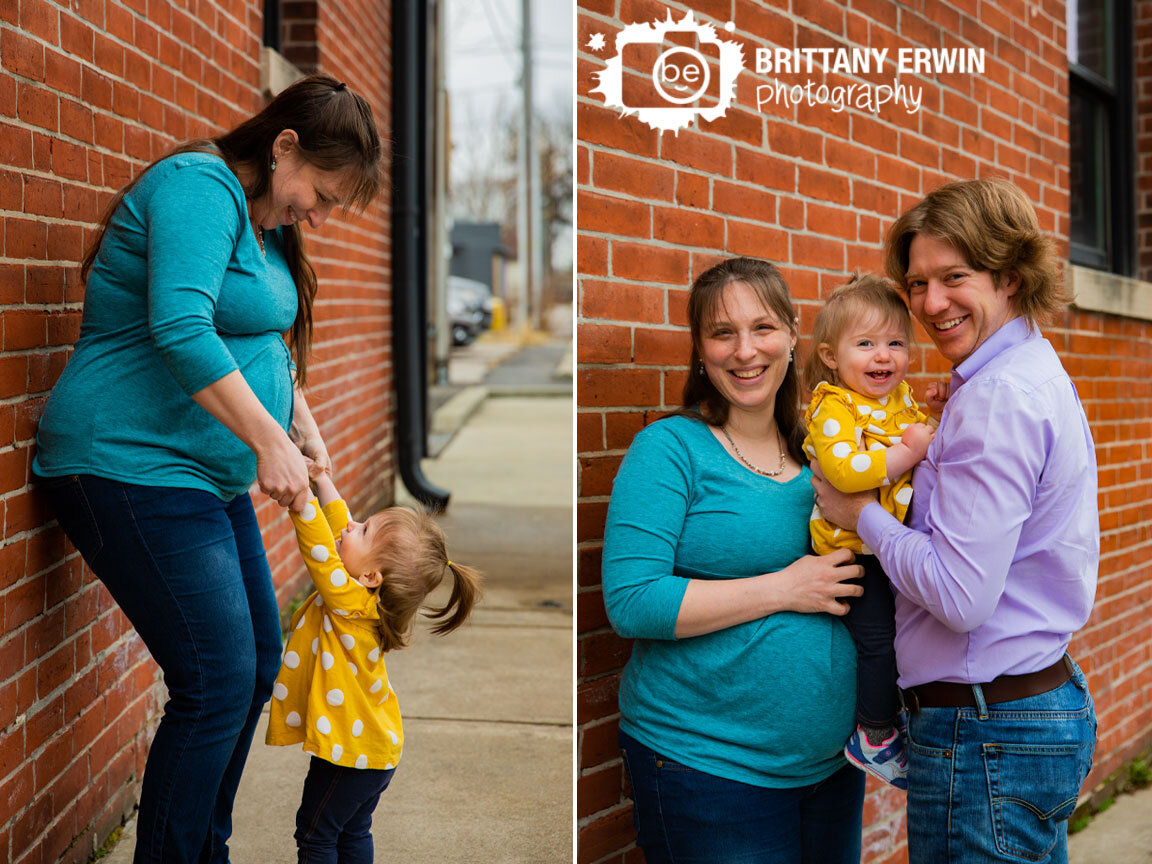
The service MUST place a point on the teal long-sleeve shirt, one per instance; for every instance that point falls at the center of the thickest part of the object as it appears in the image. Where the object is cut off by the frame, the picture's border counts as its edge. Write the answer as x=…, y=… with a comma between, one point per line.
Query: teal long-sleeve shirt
x=179, y=296
x=770, y=702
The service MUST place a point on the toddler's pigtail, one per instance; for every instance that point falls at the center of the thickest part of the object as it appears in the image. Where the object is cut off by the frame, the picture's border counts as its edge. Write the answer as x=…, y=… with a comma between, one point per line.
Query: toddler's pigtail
x=465, y=592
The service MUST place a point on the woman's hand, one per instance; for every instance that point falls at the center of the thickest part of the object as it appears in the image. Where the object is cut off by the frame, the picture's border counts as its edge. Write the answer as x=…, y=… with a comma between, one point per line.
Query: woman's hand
x=819, y=583
x=282, y=473
x=305, y=434
x=839, y=508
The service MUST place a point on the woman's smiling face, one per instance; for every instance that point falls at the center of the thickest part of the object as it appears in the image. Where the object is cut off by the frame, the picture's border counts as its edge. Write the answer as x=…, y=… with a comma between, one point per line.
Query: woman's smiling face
x=300, y=191
x=745, y=348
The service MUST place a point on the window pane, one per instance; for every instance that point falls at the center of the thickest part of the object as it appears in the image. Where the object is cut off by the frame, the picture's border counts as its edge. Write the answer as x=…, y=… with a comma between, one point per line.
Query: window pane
x=1091, y=45
x=1089, y=179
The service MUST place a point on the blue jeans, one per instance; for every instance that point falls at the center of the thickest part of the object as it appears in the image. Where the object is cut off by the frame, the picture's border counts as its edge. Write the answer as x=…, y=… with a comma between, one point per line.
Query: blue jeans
x=189, y=572
x=685, y=816
x=998, y=783
x=334, y=822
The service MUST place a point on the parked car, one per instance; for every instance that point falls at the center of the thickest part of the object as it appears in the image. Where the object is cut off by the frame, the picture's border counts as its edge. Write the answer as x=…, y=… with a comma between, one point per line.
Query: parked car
x=474, y=296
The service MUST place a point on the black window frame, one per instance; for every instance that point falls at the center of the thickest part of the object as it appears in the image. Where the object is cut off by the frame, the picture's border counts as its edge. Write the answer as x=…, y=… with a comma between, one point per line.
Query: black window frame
x=1114, y=101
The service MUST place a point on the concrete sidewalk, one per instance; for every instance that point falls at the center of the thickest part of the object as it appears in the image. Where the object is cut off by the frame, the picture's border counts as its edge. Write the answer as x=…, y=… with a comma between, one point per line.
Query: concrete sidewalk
x=1122, y=834
x=487, y=767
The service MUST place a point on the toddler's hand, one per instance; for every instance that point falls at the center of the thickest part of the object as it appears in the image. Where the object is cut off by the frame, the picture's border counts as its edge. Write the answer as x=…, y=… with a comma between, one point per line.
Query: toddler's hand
x=917, y=437
x=315, y=469
x=936, y=395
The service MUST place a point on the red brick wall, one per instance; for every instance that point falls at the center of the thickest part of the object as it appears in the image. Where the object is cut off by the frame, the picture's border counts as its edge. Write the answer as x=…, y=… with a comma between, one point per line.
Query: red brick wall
x=90, y=92
x=813, y=191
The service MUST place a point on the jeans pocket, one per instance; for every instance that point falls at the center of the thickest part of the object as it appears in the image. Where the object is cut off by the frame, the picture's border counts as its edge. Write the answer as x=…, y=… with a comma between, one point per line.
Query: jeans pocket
x=1032, y=789
x=74, y=514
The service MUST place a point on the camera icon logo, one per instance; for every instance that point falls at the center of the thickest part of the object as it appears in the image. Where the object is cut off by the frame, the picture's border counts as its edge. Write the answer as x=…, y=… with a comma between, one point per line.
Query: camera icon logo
x=671, y=72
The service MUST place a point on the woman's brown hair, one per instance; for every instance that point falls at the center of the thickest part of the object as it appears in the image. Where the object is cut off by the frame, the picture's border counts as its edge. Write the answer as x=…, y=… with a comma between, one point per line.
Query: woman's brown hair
x=994, y=227
x=412, y=559
x=701, y=398
x=863, y=295
x=336, y=131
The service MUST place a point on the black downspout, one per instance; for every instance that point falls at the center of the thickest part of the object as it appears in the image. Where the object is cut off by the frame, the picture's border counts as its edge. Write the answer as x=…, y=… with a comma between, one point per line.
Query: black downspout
x=410, y=246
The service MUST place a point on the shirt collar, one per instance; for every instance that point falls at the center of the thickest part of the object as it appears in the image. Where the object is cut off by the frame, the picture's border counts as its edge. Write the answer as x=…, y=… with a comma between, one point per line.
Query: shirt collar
x=1011, y=334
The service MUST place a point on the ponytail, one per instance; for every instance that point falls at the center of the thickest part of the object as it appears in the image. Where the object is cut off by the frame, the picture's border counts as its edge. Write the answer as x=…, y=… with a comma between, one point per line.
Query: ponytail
x=465, y=592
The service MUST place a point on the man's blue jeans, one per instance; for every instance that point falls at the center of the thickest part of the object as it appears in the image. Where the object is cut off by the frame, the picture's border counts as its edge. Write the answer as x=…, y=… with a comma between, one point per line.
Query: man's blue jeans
x=685, y=816
x=998, y=782
x=189, y=572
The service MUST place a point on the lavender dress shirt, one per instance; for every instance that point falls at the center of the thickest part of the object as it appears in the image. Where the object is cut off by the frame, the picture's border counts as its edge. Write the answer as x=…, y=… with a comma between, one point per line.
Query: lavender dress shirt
x=997, y=566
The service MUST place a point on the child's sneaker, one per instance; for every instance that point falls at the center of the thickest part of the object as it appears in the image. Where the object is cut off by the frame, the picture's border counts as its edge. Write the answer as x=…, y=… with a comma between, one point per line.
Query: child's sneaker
x=888, y=760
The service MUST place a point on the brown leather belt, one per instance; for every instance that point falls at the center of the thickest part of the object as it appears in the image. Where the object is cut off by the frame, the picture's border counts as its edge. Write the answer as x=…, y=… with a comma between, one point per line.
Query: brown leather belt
x=949, y=694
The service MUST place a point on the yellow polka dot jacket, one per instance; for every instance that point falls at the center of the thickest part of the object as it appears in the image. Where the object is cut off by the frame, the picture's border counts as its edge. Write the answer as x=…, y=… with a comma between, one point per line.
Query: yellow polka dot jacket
x=848, y=434
x=332, y=693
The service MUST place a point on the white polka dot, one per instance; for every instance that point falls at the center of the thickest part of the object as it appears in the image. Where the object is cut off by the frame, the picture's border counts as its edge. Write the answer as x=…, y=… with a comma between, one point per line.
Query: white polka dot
x=308, y=513
x=876, y=430
x=293, y=719
x=895, y=439
x=816, y=413
x=338, y=577
x=279, y=690
x=319, y=601
x=301, y=623
x=879, y=415
x=337, y=752
x=841, y=449
x=908, y=400
x=375, y=688
x=831, y=428
x=374, y=654
x=348, y=640
x=361, y=761
x=885, y=482
x=883, y=400
x=327, y=624
x=864, y=409
x=389, y=767
x=343, y=613
x=335, y=697
x=875, y=445
x=352, y=668
x=816, y=514
x=326, y=660
x=392, y=735
x=811, y=451
x=323, y=725
x=904, y=496
x=291, y=659
x=315, y=645
x=385, y=699
x=902, y=426
x=319, y=553
x=835, y=533
x=861, y=462
x=357, y=728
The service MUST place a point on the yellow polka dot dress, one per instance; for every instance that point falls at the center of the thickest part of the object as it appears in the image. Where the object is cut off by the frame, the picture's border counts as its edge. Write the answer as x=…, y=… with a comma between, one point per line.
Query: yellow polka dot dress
x=848, y=434
x=332, y=692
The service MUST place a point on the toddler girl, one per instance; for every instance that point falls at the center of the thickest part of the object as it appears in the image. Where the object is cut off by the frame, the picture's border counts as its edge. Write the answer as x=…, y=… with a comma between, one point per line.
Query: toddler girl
x=866, y=431
x=332, y=692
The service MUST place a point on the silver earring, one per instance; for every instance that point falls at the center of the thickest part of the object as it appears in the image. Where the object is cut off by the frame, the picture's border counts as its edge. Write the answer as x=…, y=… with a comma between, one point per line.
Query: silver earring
x=273, y=163
x=789, y=355
x=701, y=367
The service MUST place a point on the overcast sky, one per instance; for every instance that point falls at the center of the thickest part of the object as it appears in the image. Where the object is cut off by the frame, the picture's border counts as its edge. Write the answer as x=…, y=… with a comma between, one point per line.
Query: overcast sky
x=484, y=73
